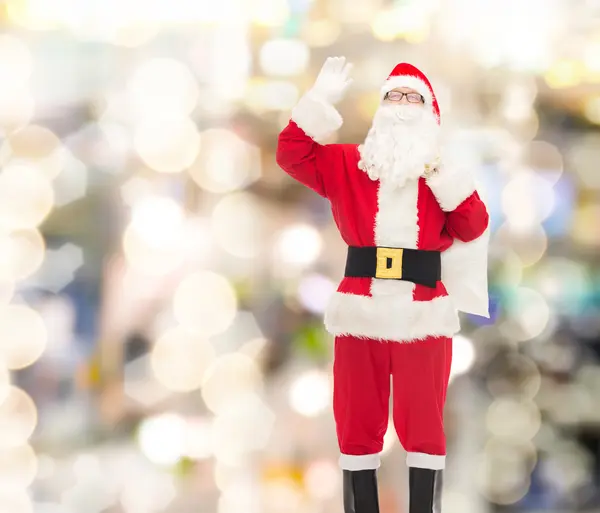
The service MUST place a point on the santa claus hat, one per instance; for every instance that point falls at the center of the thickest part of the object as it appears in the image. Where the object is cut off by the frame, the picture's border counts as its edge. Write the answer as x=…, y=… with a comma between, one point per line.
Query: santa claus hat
x=407, y=75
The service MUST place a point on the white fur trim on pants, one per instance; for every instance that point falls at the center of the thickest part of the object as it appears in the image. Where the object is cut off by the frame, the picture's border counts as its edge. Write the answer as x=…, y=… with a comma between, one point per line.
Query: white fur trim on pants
x=422, y=460
x=398, y=318
x=317, y=118
x=361, y=462
x=408, y=81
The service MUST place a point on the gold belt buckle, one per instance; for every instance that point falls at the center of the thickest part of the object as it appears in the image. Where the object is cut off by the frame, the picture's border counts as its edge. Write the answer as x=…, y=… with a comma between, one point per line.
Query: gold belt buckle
x=393, y=271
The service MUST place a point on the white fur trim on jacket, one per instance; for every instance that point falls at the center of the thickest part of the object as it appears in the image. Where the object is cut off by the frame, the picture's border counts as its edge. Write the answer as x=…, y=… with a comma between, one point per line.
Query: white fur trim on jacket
x=398, y=318
x=361, y=462
x=451, y=187
x=316, y=117
x=422, y=460
x=408, y=81
x=465, y=274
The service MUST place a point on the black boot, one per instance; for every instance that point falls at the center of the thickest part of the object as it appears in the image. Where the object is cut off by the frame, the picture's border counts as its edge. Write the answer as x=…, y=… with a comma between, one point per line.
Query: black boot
x=425, y=489
x=360, y=491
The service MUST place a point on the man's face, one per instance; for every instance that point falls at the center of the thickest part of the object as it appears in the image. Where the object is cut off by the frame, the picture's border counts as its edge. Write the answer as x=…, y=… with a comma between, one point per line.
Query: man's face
x=404, y=96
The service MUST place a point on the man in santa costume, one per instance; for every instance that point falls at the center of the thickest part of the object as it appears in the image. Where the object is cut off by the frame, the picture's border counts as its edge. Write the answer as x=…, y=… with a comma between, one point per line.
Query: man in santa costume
x=416, y=231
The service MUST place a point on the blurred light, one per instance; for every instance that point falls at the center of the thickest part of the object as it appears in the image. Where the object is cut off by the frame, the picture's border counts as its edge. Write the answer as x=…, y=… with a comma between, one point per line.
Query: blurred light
x=583, y=153
x=564, y=74
x=162, y=438
x=40, y=145
x=23, y=336
x=197, y=240
x=18, y=419
x=157, y=220
x=5, y=380
x=241, y=495
x=513, y=419
x=527, y=200
x=591, y=59
x=518, y=100
x=148, y=492
x=567, y=404
x=16, y=64
x=16, y=61
x=59, y=267
x=161, y=89
x=513, y=374
x=198, y=440
x=322, y=479
x=26, y=197
x=229, y=378
x=268, y=13
x=545, y=158
x=456, y=501
x=586, y=229
x=265, y=95
x=167, y=146
x=254, y=348
x=86, y=466
x=510, y=272
x=205, y=302
x=135, y=190
x=15, y=500
x=463, y=355
x=140, y=385
x=179, y=359
x=310, y=393
x=72, y=182
x=321, y=33
x=528, y=245
x=238, y=225
x=299, y=244
x=529, y=314
x=154, y=241
x=502, y=476
x=225, y=475
x=591, y=110
x=562, y=281
x=568, y=468
x=241, y=427
x=282, y=495
x=284, y=57
x=46, y=467
x=21, y=254
x=230, y=61
x=225, y=162
x=315, y=291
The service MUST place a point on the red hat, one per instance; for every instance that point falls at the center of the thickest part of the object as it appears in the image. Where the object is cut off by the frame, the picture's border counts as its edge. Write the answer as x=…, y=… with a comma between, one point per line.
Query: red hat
x=407, y=75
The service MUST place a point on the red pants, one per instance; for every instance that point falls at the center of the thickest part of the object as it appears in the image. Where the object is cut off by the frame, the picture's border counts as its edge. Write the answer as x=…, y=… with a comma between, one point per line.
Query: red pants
x=419, y=370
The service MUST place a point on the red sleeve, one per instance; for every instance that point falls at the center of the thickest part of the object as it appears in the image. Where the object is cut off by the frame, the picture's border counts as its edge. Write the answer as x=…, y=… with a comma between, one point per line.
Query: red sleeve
x=310, y=163
x=468, y=220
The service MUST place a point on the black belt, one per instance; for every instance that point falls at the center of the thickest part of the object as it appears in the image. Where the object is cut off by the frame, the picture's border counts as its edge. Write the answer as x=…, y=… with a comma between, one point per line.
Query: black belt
x=414, y=265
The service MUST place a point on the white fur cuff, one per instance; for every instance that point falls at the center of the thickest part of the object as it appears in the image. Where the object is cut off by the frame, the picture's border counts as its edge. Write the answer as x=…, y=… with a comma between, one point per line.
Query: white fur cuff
x=360, y=462
x=451, y=187
x=422, y=460
x=317, y=118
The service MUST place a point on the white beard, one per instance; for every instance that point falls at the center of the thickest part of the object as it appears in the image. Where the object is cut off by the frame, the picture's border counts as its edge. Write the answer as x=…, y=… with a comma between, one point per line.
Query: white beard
x=401, y=141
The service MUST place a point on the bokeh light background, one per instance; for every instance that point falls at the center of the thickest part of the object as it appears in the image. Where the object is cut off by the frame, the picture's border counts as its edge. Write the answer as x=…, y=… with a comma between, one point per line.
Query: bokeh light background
x=162, y=281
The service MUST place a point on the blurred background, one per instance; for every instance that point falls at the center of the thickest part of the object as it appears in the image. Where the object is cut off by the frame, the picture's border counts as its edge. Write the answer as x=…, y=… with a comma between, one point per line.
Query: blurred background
x=162, y=281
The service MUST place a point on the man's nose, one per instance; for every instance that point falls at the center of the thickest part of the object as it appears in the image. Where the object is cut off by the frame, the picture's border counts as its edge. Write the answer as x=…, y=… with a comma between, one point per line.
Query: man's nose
x=404, y=100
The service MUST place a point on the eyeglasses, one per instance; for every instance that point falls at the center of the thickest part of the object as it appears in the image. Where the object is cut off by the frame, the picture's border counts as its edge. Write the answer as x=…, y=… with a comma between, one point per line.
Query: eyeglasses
x=396, y=96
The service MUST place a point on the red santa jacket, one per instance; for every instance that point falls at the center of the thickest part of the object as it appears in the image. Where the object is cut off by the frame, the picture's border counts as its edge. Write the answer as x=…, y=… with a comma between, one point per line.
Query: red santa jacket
x=433, y=214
